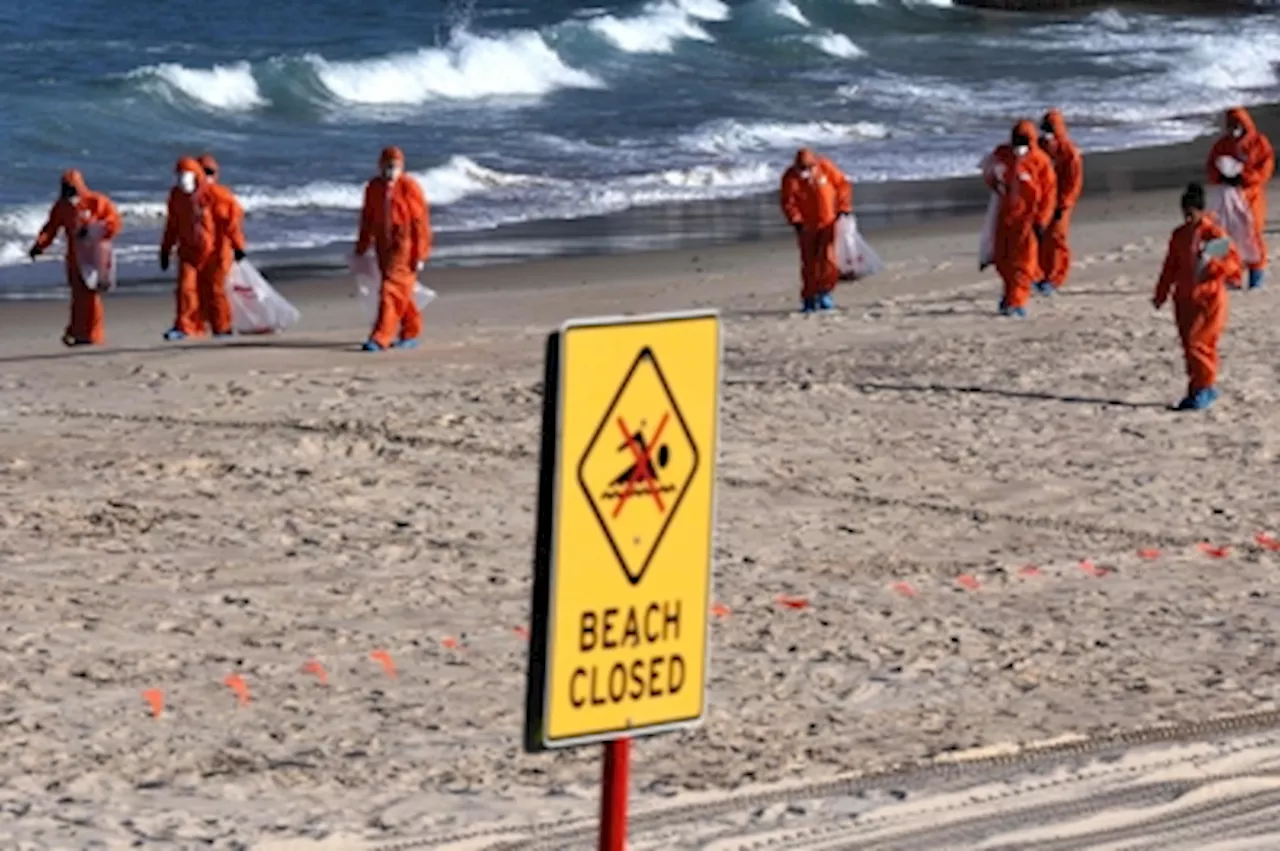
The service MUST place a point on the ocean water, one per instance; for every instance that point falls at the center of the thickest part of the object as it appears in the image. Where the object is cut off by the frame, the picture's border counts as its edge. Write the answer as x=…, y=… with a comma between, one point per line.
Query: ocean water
x=554, y=110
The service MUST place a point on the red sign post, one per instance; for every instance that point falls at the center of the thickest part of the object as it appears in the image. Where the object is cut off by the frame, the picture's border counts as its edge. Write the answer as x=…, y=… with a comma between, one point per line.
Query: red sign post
x=613, y=795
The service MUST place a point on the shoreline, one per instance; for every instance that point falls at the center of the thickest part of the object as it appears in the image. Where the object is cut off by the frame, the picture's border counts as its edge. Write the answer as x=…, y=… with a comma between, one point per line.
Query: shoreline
x=881, y=207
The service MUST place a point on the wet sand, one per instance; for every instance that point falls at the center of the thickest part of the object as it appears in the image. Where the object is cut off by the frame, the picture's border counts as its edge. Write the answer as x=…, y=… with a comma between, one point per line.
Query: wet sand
x=170, y=515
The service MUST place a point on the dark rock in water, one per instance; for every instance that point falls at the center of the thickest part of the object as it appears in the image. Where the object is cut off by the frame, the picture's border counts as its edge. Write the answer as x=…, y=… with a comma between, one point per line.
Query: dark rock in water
x=1210, y=6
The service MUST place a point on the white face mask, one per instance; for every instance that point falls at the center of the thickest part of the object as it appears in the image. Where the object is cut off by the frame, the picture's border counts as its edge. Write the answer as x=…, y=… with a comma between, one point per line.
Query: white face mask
x=187, y=182
x=391, y=172
x=1021, y=150
x=1238, y=132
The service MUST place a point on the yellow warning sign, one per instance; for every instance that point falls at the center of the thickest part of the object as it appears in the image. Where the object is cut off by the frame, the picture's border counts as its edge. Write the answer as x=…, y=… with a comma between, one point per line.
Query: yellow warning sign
x=623, y=579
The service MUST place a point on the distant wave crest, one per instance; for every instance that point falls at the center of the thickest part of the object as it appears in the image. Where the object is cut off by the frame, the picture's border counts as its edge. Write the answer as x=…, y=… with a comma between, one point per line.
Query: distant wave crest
x=660, y=25
x=731, y=137
x=469, y=67
x=228, y=88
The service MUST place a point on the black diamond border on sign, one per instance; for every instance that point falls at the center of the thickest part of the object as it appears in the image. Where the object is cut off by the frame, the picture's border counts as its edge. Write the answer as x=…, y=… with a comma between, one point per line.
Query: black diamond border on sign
x=646, y=352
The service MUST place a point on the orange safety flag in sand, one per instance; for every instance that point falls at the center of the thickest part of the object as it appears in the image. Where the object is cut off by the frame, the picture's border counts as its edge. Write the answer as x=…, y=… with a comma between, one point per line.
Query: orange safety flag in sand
x=89, y=221
x=1244, y=150
x=1199, y=262
x=814, y=193
x=1068, y=167
x=396, y=222
x=1022, y=177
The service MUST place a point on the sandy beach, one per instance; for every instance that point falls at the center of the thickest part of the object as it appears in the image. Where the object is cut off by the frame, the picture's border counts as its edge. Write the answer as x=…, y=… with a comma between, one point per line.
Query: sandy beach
x=172, y=515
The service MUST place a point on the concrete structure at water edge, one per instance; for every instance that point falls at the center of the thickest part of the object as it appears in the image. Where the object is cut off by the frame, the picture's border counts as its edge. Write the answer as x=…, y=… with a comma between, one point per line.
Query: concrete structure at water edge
x=1206, y=6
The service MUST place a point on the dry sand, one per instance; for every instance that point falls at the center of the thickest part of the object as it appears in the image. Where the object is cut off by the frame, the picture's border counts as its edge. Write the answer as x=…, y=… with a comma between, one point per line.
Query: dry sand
x=173, y=514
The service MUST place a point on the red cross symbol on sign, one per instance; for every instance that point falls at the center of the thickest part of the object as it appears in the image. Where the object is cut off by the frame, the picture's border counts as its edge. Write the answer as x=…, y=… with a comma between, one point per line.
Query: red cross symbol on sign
x=642, y=471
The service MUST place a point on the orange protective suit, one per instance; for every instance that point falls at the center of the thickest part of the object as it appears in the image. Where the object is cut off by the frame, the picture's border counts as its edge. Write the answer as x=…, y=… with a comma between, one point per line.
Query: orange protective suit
x=1068, y=167
x=814, y=193
x=1259, y=157
x=86, y=326
x=228, y=246
x=194, y=222
x=396, y=222
x=1199, y=296
x=1028, y=192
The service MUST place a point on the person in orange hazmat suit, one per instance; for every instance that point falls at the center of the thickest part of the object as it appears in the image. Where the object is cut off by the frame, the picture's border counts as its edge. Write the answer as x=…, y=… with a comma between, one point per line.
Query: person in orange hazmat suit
x=1197, y=277
x=189, y=228
x=1023, y=176
x=1068, y=167
x=815, y=192
x=1243, y=141
x=396, y=223
x=76, y=211
x=228, y=248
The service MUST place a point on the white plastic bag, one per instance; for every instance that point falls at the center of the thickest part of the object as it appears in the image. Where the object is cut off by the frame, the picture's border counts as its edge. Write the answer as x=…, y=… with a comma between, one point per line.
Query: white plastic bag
x=855, y=259
x=369, y=286
x=1214, y=249
x=256, y=308
x=995, y=171
x=1229, y=166
x=1233, y=212
x=97, y=260
x=987, y=237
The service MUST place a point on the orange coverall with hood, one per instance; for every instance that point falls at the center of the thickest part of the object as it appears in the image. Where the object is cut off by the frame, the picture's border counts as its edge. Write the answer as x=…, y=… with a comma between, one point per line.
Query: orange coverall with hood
x=228, y=248
x=396, y=222
x=79, y=208
x=188, y=228
x=1028, y=192
x=1243, y=141
x=1068, y=166
x=814, y=193
x=1199, y=296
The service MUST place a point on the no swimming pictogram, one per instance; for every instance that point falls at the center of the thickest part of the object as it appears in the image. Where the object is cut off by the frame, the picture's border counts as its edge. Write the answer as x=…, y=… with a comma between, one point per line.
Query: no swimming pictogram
x=638, y=465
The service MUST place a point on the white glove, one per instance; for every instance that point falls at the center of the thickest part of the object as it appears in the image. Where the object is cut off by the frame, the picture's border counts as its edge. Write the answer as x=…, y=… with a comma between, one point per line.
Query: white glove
x=422, y=264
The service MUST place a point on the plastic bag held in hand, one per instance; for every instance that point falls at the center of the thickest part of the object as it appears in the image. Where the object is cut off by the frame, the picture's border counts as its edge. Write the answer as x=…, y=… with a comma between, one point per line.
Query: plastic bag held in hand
x=854, y=258
x=368, y=276
x=1233, y=212
x=1229, y=166
x=987, y=236
x=256, y=308
x=1214, y=249
x=97, y=259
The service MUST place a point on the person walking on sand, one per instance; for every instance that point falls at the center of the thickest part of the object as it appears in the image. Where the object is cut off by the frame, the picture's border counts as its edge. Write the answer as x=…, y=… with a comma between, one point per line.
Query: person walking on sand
x=1022, y=175
x=1200, y=261
x=1068, y=167
x=396, y=223
x=815, y=192
x=1250, y=161
x=228, y=248
x=197, y=215
x=82, y=216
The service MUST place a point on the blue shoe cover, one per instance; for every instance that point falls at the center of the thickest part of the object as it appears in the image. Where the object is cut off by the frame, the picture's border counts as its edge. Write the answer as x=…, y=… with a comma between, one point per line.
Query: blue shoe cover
x=809, y=305
x=405, y=344
x=224, y=335
x=1257, y=277
x=1199, y=400
x=826, y=302
x=173, y=334
x=1016, y=312
x=371, y=346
